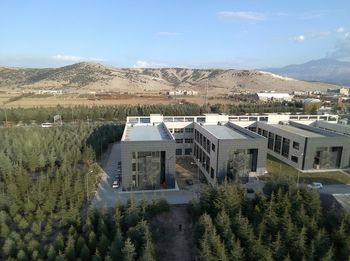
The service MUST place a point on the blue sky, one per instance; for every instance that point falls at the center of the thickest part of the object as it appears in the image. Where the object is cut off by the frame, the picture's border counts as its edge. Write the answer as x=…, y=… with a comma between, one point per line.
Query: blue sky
x=162, y=33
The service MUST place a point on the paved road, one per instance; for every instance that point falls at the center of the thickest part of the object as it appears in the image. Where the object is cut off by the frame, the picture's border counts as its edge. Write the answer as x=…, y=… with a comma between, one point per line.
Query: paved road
x=335, y=189
x=107, y=197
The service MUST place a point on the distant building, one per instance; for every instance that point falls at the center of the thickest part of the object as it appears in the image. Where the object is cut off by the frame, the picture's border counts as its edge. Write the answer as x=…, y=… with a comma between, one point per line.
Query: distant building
x=182, y=93
x=344, y=91
x=274, y=96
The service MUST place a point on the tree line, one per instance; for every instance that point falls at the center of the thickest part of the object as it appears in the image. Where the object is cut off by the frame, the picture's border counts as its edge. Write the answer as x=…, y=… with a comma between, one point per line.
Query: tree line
x=120, y=112
x=284, y=223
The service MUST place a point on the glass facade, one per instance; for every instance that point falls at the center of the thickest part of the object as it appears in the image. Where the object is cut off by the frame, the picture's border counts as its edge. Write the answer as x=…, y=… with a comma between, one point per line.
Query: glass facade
x=327, y=157
x=240, y=163
x=148, y=169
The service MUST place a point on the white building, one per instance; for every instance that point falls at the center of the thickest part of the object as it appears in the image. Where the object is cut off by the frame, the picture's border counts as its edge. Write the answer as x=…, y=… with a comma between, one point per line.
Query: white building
x=274, y=96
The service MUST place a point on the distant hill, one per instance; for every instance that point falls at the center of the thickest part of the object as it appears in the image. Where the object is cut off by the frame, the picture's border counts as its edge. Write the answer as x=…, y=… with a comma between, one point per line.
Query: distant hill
x=323, y=70
x=84, y=77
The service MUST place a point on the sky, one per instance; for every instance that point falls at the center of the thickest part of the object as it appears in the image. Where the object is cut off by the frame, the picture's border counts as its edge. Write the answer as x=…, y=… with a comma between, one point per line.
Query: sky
x=241, y=34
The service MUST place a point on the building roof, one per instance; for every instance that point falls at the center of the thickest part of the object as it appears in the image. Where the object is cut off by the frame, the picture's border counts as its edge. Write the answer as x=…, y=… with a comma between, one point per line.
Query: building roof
x=302, y=132
x=223, y=132
x=146, y=133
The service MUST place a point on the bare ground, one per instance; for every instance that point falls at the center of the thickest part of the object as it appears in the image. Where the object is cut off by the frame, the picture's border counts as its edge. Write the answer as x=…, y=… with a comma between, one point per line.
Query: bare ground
x=173, y=243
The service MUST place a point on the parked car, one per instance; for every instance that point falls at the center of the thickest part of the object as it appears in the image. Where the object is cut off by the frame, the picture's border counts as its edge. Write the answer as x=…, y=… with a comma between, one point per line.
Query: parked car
x=189, y=182
x=315, y=185
x=116, y=184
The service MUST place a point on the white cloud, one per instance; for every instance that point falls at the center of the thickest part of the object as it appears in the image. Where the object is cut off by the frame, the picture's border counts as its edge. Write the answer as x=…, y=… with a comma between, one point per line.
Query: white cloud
x=340, y=30
x=74, y=59
x=299, y=38
x=145, y=64
x=347, y=35
x=242, y=15
x=165, y=33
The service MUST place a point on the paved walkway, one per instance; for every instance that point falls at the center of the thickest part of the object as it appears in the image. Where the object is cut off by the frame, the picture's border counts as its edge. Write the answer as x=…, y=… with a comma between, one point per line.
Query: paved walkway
x=107, y=197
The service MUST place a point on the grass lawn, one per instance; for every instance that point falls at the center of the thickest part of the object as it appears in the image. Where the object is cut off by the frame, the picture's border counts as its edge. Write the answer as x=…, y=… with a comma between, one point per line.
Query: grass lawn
x=278, y=169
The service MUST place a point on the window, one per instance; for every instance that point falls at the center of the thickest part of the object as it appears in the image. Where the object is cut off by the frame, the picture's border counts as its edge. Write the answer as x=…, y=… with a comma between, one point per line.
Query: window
x=259, y=131
x=294, y=159
x=295, y=145
x=208, y=146
x=278, y=142
x=179, y=140
x=264, y=133
x=212, y=173
x=213, y=147
x=134, y=167
x=188, y=140
x=188, y=130
x=270, y=141
x=178, y=151
x=188, y=151
x=285, y=147
x=178, y=130
x=171, y=130
x=253, y=129
x=134, y=155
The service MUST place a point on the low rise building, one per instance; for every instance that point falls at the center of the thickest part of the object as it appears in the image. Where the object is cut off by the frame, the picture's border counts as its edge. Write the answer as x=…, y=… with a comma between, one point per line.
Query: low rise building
x=274, y=96
x=228, y=151
x=306, y=147
x=226, y=146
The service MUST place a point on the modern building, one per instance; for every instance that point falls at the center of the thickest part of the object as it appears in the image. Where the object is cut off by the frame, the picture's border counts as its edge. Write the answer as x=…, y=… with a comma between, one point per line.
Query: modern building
x=306, y=147
x=148, y=157
x=228, y=151
x=225, y=146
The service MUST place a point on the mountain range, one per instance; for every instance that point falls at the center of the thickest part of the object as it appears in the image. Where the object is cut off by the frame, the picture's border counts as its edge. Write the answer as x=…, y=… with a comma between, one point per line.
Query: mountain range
x=322, y=70
x=87, y=77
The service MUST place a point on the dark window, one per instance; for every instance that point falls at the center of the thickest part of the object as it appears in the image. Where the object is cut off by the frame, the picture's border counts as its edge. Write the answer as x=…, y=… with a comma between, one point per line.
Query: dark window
x=294, y=159
x=179, y=140
x=212, y=173
x=264, y=133
x=213, y=147
x=178, y=130
x=295, y=145
x=188, y=140
x=278, y=142
x=252, y=129
x=178, y=151
x=259, y=131
x=134, y=167
x=188, y=130
x=285, y=147
x=134, y=155
x=188, y=151
x=270, y=141
x=208, y=146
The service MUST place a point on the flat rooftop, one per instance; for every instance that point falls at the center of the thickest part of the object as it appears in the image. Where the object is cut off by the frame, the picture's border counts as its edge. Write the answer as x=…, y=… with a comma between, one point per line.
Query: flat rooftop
x=146, y=133
x=300, y=131
x=224, y=133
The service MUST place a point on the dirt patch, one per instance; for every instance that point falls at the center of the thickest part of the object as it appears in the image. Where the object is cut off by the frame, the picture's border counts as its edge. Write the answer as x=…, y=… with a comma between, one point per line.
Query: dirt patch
x=173, y=233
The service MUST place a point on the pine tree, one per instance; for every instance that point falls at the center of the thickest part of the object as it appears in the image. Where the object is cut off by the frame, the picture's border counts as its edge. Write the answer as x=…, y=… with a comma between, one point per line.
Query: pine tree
x=128, y=251
x=84, y=253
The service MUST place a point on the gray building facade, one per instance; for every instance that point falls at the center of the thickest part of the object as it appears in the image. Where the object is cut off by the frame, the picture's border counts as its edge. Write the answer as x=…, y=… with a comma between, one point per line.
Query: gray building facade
x=227, y=151
x=148, y=158
x=306, y=147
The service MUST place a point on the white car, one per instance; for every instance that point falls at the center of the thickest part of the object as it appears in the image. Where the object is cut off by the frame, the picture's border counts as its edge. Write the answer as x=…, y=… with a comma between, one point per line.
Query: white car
x=115, y=184
x=315, y=185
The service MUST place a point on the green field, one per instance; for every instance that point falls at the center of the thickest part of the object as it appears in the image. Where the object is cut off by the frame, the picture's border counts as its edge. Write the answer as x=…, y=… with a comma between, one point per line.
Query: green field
x=278, y=169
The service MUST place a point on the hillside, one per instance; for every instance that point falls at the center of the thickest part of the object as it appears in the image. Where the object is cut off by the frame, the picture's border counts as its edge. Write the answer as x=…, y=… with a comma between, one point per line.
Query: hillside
x=324, y=70
x=84, y=77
